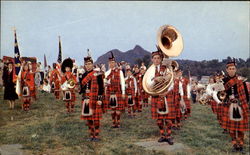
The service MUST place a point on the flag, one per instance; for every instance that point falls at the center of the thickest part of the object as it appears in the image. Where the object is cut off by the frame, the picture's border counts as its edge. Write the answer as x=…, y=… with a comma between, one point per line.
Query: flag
x=59, y=59
x=17, y=66
x=45, y=62
x=16, y=56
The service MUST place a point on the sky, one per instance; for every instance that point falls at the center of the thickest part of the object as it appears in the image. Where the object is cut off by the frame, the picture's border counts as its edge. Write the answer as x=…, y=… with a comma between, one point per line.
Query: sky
x=210, y=30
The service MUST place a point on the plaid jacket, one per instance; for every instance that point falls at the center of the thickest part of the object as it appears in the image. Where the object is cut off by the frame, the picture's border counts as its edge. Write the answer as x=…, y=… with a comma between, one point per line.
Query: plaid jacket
x=130, y=88
x=177, y=98
x=240, y=94
x=114, y=88
x=66, y=77
x=158, y=101
x=27, y=79
x=96, y=92
x=55, y=78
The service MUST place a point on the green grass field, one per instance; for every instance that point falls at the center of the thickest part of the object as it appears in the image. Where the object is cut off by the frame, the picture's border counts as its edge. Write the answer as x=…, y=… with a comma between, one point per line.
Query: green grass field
x=47, y=129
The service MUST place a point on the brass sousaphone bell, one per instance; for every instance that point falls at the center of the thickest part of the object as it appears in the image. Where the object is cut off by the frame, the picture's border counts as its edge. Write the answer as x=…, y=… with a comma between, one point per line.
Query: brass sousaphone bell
x=170, y=43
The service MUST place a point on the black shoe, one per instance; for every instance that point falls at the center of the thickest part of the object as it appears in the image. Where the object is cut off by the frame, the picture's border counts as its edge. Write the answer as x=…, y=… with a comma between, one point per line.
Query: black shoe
x=90, y=139
x=169, y=141
x=174, y=128
x=224, y=131
x=161, y=140
x=241, y=150
x=234, y=149
x=96, y=139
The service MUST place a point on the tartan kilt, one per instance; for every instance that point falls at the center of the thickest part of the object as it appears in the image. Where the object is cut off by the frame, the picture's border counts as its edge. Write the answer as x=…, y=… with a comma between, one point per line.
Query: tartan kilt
x=171, y=108
x=137, y=101
x=33, y=92
x=120, y=100
x=126, y=102
x=234, y=125
x=224, y=115
x=143, y=95
x=97, y=113
x=26, y=99
x=220, y=108
x=187, y=102
x=177, y=109
x=213, y=104
x=73, y=95
x=57, y=86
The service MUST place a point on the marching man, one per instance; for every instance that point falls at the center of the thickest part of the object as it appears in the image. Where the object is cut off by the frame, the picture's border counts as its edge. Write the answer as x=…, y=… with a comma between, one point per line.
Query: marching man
x=235, y=117
x=92, y=97
x=68, y=81
x=55, y=81
x=162, y=106
x=115, y=91
x=186, y=94
x=131, y=89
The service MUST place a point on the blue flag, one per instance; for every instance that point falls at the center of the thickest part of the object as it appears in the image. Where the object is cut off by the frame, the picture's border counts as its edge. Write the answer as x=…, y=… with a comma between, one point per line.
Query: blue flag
x=16, y=56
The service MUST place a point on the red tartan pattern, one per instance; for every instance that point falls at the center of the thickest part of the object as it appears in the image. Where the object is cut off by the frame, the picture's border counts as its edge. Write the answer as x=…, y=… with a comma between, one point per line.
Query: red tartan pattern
x=176, y=96
x=55, y=78
x=115, y=88
x=73, y=95
x=130, y=90
x=138, y=97
x=157, y=100
x=93, y=96
x=185, y=82
x=65, y=77
x=171, y=107
x=221, y=113
x=33, y=87
x=213, y=104
x=236, y=125
x=27, y=79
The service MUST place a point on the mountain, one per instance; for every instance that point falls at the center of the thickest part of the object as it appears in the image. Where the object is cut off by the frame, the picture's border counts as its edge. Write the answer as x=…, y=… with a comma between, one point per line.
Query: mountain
x=129, y=56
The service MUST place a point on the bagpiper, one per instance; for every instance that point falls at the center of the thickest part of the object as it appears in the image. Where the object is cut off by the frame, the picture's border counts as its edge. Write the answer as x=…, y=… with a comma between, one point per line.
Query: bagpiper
x=68, y=83
x=236, y=111
x=115, y=91
x=92, y=98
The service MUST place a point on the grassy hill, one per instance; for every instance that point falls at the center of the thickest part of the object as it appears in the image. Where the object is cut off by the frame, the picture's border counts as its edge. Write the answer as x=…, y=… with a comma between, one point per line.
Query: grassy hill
x=47, y=129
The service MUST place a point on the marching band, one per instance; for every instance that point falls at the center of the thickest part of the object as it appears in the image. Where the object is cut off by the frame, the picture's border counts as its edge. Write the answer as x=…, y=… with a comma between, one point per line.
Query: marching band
x=162, y=86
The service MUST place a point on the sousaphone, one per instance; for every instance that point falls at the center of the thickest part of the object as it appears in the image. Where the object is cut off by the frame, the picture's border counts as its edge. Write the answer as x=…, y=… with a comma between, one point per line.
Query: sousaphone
x=170, y=43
